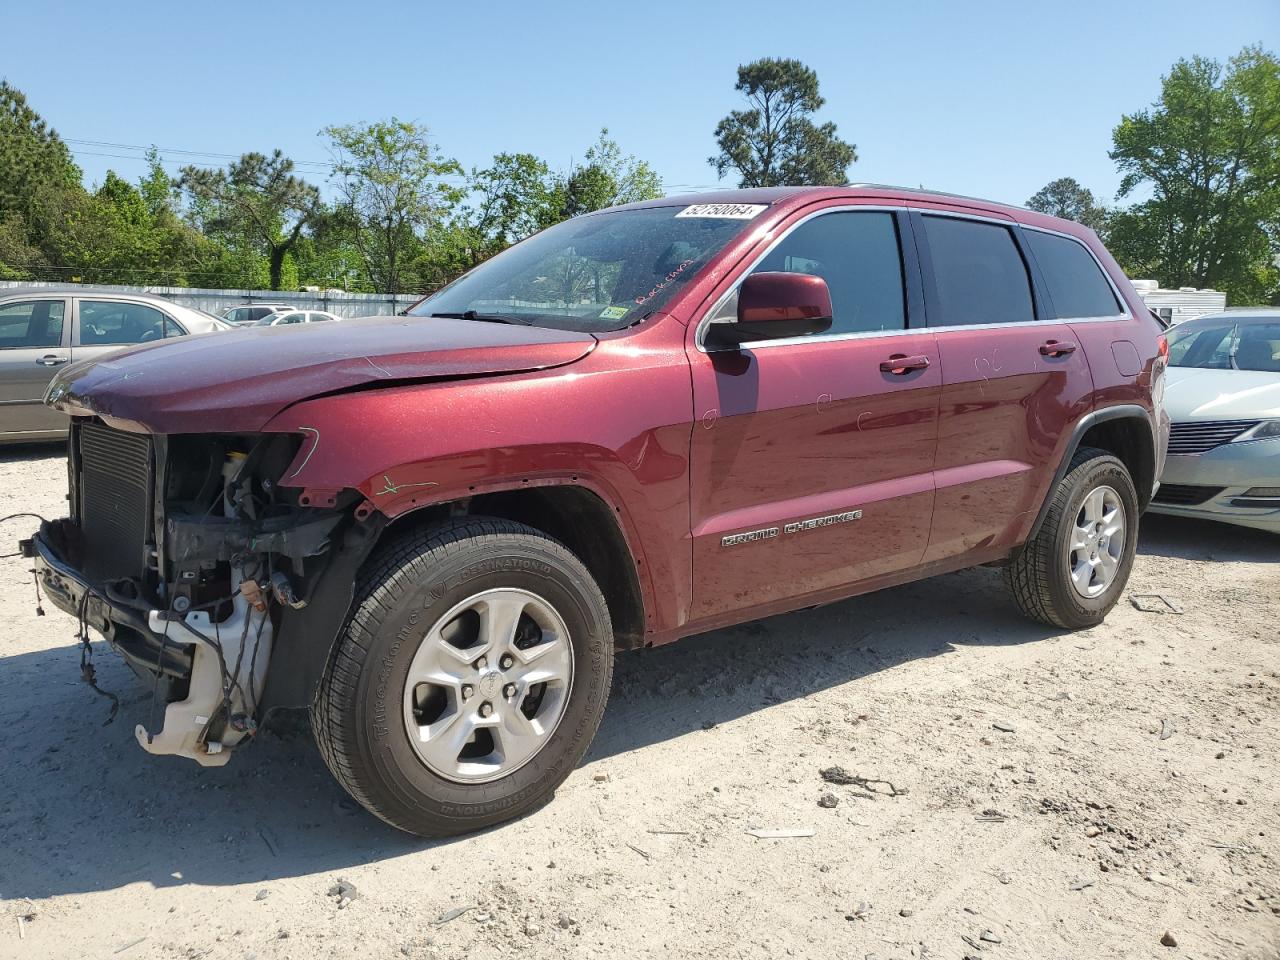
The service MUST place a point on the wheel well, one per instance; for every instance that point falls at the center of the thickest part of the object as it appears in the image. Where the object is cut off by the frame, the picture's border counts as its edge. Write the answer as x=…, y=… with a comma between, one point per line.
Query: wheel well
x=581, y=521
x=1129, y=440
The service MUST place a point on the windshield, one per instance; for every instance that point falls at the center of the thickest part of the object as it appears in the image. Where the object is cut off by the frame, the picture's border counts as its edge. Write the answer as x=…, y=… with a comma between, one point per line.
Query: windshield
x=1227, y=346
x=596, y=272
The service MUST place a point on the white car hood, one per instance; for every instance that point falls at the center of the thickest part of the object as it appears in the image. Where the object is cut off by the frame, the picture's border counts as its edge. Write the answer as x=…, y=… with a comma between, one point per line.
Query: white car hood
x=1195, y=393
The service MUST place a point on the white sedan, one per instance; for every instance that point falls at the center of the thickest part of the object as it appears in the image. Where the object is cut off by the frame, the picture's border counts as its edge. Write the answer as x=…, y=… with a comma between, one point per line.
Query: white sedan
x=1223, y=396
x=296, y=316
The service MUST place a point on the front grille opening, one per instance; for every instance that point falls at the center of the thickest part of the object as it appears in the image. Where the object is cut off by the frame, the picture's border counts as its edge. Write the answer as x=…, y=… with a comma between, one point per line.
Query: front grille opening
x=1201, y=436
x=114, y=500
x=1184, y=494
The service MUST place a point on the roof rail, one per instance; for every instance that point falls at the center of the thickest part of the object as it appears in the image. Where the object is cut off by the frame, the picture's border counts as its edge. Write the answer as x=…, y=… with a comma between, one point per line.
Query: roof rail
x=940, y=193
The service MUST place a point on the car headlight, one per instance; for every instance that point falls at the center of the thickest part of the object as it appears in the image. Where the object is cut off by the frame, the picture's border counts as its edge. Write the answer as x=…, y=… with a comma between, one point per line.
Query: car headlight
x=1266, y=430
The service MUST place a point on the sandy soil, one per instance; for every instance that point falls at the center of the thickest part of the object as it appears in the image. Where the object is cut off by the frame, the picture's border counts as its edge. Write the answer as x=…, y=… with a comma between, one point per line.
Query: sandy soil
x=1040, y=811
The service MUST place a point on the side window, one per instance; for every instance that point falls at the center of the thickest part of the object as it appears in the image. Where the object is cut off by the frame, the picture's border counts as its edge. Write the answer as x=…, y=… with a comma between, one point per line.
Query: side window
x=857, y=253
x=31, y=323
x=235, y=316
x=979, y=273
x=1075, y=281
x=290, y=318
x=172, y=329
x=109, y=323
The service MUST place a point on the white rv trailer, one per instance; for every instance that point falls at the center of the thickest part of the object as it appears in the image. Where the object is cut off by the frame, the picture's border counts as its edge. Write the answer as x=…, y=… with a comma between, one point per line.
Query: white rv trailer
x=1185, y=303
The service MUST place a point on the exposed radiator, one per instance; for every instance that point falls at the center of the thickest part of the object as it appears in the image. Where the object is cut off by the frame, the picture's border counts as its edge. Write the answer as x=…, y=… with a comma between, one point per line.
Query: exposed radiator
x=114, y=500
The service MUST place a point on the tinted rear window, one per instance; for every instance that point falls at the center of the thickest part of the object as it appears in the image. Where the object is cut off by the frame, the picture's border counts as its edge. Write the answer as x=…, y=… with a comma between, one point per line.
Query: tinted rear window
x=1075, y=281
x=979, y=273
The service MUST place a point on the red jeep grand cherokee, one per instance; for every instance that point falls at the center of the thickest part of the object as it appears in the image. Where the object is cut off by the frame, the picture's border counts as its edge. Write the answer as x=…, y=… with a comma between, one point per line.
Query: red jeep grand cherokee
x=643, y=423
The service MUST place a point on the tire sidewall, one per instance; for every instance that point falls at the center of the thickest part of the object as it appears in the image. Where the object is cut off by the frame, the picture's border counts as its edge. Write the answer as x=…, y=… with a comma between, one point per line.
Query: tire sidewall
x=1105, y=471
x=422, y=597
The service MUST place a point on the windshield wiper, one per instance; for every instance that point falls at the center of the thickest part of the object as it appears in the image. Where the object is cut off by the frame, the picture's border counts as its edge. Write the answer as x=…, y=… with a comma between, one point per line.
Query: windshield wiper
x=485, y=317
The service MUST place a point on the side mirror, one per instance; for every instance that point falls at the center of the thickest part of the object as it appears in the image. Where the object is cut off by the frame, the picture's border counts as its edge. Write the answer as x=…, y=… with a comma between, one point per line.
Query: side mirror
x=776, y=305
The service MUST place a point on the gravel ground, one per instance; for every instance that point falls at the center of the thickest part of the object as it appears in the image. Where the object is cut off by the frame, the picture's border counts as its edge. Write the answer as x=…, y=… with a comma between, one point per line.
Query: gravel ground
x=1049, y=794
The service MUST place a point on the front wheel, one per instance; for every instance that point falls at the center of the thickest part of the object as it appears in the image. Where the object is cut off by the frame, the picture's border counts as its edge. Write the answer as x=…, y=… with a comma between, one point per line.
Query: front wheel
x=469, y=679
x=1072, y=572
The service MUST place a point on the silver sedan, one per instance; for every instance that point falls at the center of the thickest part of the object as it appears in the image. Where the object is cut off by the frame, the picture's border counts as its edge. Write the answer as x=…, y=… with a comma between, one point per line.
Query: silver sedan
x=1223, y=396
x=41, y=329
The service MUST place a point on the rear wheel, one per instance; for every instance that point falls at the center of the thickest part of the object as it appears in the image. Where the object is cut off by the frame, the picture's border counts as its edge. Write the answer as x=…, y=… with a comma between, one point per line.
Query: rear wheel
x=469, y=679
x=1075, y=568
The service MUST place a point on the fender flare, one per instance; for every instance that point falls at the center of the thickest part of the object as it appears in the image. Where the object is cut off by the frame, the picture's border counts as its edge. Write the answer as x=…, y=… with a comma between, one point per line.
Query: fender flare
x=1124, y=411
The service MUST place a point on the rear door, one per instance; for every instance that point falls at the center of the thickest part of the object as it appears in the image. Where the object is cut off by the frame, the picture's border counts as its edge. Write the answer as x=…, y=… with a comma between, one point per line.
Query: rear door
x=34, y=343
x=811, y=466
x=103, y=326
x=1013, y=380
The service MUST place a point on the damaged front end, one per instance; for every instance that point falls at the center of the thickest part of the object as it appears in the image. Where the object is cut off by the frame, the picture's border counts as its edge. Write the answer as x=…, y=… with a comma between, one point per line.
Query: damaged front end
x=190, y=558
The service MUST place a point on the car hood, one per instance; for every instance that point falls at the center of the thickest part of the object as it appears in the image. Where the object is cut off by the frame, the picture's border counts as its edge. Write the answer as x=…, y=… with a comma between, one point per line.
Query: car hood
x=1196, y=393
x=237, y=380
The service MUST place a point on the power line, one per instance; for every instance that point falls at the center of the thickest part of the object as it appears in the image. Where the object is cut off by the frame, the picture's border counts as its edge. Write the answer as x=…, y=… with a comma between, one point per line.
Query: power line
x=316, y=166
x=185, y=153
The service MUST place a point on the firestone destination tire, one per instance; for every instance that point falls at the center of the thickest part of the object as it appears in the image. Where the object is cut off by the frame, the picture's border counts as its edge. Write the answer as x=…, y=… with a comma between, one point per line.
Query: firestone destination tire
x=1075, y=568
x=469, y=679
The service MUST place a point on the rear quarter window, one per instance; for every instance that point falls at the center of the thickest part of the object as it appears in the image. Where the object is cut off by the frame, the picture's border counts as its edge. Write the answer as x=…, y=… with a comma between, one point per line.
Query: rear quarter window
x=1075, y=282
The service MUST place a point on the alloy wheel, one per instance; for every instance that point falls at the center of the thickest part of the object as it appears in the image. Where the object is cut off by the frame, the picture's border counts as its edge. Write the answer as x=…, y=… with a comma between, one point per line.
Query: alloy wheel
x=1095, y=543
x=488, y=685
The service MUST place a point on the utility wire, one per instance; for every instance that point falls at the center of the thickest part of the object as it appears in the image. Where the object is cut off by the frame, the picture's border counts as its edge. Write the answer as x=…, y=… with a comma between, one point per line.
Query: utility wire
x=314, y=166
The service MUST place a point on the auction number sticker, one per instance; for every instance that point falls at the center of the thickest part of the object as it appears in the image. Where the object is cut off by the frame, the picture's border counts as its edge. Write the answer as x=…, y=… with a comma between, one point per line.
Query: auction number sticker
x=724, y=211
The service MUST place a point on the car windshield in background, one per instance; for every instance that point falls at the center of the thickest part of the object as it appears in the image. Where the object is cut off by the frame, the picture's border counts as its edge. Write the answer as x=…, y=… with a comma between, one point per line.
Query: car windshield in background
x=1227, y=346
x=596, y=272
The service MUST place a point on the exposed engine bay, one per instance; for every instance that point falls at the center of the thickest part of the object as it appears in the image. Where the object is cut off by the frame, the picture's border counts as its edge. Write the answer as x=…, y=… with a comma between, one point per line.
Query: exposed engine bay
x=189, y=556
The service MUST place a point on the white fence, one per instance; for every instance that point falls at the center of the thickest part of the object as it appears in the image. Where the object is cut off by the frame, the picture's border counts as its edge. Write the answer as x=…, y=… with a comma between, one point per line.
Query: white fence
x=336, y=302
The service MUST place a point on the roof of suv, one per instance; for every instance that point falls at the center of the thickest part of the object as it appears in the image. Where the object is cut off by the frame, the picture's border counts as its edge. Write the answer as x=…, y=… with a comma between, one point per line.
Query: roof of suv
x=797, y=195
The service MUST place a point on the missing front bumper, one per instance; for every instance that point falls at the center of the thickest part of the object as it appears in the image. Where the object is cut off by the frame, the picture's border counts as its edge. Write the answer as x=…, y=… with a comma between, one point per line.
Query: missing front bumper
x=219, y=667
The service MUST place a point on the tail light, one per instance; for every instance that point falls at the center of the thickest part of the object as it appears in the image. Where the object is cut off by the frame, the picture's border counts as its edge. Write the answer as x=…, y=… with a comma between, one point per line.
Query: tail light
x=1162, y=349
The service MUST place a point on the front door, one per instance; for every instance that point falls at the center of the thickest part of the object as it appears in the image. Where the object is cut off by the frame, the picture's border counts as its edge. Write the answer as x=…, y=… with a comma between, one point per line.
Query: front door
x=1013, y=380
x=34, y=343
x=812, y=456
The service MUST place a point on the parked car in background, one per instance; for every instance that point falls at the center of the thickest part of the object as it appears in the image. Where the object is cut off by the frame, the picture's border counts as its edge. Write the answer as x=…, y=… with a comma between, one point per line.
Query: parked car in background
x=640, y=424
x=1223, y=396
x=246, y=315
x=296, y=316
x=44, y=329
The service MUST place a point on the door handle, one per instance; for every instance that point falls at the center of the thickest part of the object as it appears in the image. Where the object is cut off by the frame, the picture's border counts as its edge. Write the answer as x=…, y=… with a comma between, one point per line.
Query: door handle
x=1057, y=348
x=900, y=364
x=51, y=360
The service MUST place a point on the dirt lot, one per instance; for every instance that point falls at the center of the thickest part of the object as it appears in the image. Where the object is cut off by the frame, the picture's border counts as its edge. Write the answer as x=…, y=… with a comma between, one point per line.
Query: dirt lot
x=1058, y=795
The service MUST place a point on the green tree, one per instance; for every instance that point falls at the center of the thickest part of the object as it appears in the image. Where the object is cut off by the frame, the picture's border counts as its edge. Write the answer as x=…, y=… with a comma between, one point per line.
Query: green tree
x=605, y=179
x=1208, y=152
x=157, y=187
x=1066, y=198
x=258, y=199
x=392, y=184
x=519, y=194
x=776, y=142
x=329, y=257
x=39, y=187
x=513, y=198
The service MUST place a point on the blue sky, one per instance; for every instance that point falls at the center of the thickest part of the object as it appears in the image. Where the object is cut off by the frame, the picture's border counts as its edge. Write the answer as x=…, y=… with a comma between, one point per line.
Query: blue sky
x=990, y=99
